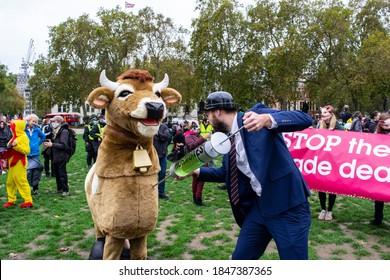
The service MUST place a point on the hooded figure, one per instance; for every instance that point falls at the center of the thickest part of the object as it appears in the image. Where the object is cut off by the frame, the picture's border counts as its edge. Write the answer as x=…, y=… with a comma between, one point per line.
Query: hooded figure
x=18, y=149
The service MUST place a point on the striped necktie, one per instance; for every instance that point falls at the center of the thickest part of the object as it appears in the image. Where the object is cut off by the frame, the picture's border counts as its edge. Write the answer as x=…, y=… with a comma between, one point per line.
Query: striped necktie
x=233, y=173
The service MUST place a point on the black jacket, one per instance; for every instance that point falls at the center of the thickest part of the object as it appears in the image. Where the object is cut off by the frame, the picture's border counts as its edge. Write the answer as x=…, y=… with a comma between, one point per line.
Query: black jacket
x=60, y=144
x=161, y=140
x=5, y=135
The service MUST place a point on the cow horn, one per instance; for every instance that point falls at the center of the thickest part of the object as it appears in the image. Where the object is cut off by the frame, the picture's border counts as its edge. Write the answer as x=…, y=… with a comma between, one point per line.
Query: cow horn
x=104, y=82
x=161, y=85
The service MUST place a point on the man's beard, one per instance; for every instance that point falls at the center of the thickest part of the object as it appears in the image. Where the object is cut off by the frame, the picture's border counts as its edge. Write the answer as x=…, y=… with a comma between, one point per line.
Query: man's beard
x=220, y=126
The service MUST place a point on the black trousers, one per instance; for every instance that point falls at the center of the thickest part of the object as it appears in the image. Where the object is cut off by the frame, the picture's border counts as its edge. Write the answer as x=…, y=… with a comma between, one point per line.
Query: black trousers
x=95, y=145
x=61, y=176
x=48, y=164
x=90, y=154
x=378, y=215
x=332, y=199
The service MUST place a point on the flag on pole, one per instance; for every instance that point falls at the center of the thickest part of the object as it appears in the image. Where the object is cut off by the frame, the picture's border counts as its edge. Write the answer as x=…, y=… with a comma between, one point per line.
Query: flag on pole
x=129, y=5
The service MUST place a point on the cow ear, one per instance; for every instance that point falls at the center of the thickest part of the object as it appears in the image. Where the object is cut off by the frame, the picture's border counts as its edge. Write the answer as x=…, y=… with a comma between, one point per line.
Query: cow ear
x=100, y=97
x=170, y=96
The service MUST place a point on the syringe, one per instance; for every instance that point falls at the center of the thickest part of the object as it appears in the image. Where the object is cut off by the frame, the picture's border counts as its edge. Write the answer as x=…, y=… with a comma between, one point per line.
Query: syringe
x=201, y=155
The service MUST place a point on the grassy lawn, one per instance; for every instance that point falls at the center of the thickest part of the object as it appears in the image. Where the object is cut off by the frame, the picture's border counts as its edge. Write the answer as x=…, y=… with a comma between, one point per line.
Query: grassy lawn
x=59, y=228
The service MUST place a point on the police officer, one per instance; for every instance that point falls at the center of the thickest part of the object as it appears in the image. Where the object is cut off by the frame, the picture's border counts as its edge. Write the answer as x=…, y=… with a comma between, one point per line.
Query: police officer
x=205, y=127
x=88, y=139
x=97, y=134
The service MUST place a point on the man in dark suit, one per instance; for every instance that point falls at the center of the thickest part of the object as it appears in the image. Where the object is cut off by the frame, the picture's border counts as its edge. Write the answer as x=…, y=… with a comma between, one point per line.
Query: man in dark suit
x=272, y=194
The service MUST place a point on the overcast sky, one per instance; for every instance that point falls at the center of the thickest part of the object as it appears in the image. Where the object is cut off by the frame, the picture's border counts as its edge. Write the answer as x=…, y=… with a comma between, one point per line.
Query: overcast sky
x=21, y=21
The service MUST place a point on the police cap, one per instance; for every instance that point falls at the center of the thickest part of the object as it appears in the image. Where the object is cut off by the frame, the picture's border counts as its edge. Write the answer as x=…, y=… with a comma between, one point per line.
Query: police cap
x=220, y=100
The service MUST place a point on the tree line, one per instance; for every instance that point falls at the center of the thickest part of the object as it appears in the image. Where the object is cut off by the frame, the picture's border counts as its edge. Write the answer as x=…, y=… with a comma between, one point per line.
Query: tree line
x=258, y=53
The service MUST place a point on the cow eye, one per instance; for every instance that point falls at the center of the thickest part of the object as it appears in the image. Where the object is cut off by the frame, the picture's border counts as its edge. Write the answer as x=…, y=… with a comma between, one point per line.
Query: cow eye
x=158, y=93
x=124, y=93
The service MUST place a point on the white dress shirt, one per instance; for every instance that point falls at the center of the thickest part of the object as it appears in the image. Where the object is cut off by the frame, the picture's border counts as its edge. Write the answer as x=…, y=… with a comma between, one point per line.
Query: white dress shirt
x=242, y=159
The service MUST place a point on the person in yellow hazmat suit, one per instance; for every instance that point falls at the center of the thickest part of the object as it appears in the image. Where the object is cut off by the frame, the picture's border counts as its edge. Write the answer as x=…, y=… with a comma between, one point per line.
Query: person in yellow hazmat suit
x=16, y=155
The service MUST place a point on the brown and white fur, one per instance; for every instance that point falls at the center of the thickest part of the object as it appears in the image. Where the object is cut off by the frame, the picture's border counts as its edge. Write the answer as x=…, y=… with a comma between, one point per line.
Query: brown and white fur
x=123, y=201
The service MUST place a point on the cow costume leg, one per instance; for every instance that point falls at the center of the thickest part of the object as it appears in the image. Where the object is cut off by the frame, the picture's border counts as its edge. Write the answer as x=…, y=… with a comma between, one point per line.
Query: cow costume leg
x=138, y=248
x=113, y=248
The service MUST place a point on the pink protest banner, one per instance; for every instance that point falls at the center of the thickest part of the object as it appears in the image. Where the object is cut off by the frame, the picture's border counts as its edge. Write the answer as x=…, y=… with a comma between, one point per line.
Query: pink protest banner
x=343, y=162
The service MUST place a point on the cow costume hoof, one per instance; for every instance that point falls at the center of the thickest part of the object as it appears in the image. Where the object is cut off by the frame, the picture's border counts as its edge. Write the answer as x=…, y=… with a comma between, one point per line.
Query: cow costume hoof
x=120, y=185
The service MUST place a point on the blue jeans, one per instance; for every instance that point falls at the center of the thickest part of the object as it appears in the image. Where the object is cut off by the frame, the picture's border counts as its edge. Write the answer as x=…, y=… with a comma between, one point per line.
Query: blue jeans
x=161, y=174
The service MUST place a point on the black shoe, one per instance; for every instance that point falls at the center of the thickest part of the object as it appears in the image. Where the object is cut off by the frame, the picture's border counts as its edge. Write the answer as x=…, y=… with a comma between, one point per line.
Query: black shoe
x=198, y=201
x=163, y=196
x=125, y=255
x=97, y=250
x=376, y=223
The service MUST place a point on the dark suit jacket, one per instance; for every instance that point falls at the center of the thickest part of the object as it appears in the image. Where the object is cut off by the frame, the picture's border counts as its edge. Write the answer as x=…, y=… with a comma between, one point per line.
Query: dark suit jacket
x=283, y=186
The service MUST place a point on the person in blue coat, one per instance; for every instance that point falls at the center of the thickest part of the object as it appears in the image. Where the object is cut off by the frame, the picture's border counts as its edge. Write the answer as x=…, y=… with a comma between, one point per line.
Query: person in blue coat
x=272, y=193
x=35, y=167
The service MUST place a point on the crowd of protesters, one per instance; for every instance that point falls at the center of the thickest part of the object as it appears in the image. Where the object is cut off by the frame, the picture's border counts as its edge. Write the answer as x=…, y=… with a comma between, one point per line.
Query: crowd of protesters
x=22, y=163
x=374, y=122
x=22, y=143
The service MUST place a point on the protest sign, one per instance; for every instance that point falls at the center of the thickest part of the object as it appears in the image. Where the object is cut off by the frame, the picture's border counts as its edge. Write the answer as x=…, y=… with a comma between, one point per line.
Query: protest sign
x=343, y=162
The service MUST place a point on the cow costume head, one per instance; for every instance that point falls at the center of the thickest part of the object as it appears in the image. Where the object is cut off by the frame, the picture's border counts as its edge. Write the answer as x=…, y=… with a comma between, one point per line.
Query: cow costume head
x=122, y=199
x=140, y=105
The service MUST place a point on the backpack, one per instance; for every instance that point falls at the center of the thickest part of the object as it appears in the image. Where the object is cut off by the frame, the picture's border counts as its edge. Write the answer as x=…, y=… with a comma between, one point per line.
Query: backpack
x=72, y=143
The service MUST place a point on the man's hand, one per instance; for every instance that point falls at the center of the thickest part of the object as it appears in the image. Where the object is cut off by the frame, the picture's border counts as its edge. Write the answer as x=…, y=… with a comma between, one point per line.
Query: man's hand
x=207, y=136
x=195, y=172
x=48, y=144
x=12, y=144
x=255, y=122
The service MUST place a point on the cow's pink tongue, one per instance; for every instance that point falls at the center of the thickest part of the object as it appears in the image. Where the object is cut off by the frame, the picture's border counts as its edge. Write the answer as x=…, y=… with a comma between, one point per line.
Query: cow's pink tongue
x=149, y=122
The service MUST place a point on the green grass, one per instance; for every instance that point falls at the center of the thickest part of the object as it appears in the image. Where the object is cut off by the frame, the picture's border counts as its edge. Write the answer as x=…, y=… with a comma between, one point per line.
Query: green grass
x=59, y=228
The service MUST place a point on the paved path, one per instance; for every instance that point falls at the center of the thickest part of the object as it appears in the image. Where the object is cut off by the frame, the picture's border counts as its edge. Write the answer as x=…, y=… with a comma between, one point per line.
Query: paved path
x=79, y=130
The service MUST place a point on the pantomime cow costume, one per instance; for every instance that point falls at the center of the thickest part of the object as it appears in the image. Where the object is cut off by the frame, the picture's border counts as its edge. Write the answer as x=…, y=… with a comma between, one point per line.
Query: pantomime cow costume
x=120, y=191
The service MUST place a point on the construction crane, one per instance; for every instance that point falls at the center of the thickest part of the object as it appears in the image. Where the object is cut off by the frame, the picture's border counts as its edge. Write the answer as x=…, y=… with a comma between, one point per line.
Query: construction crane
x=24, y=76
x=28, y=61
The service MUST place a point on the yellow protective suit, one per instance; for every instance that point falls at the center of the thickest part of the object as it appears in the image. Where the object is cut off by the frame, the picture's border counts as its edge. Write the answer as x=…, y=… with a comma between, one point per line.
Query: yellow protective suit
x=17, y=163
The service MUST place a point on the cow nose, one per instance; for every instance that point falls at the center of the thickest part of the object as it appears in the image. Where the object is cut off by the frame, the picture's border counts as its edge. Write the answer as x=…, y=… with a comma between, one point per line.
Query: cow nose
x=155, y=110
